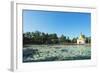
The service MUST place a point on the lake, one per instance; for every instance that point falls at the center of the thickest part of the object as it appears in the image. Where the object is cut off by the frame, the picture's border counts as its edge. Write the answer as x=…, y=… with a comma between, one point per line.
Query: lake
x=40, y=53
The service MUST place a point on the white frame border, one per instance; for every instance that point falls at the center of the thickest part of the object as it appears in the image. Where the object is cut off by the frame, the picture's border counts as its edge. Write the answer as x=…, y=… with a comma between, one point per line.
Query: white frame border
x=16, y=64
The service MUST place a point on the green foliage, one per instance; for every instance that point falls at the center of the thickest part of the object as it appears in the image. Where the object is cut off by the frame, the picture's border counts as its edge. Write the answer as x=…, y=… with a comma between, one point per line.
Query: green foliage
x=40, y=38
x=88, y=39
x=45, y=38
x=74, y=40
x=62, y=39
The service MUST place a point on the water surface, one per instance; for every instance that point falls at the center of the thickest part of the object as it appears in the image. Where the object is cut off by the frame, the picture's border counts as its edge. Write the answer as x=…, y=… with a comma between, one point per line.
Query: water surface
x=37, y=53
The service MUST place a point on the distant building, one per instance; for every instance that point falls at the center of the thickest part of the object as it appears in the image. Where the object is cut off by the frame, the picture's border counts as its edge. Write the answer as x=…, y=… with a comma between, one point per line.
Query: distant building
x=81, y=39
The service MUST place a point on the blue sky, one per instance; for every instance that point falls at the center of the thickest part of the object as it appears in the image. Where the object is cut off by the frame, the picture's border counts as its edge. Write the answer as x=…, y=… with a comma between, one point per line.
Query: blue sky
x=67, y=23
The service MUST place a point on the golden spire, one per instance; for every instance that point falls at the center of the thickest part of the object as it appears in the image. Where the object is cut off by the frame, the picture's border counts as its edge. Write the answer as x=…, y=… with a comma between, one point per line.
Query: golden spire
x=81, y=36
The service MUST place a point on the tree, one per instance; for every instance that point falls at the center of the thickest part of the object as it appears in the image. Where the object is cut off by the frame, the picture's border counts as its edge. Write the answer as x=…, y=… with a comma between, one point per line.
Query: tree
x=88, y=39
x=53, y=38
x=62, y=39
x=68, y=40
x=74, y=40
x=45, y=38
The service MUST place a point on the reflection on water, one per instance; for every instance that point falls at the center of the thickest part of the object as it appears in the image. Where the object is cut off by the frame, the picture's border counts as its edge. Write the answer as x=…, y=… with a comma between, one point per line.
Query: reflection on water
x=36, y=53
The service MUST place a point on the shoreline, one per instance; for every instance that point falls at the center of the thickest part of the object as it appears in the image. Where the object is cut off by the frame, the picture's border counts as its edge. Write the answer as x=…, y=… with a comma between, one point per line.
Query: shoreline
x=57, y=44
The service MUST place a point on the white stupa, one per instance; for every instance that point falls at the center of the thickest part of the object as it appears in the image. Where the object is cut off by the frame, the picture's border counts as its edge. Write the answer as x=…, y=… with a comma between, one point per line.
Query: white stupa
x=81, y=39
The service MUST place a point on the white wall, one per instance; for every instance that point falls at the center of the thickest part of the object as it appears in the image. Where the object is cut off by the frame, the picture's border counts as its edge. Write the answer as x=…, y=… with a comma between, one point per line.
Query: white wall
x=5, y=35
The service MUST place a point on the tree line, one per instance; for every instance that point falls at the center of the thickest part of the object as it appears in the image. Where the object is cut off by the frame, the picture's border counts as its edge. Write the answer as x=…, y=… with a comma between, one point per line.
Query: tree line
x=45, y=38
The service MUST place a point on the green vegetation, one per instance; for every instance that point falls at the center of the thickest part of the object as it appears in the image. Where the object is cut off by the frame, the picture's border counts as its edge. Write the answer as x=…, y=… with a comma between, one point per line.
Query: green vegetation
x=40, y=46
x=45, y=38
